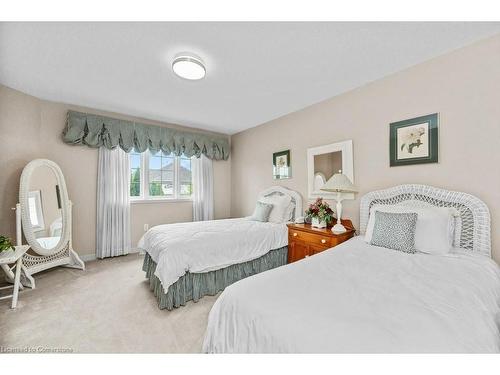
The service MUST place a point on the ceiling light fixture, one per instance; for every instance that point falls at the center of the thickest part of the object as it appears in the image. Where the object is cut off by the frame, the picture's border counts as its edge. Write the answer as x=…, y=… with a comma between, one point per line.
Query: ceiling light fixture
x=189, y=67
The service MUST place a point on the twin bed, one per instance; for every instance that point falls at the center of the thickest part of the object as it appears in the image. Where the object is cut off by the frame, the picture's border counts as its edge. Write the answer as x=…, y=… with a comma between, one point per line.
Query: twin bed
x=359, y=297
x=187, y=261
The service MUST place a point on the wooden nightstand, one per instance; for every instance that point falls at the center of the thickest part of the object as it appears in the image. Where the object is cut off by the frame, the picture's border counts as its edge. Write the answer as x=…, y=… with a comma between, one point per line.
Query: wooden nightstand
x=304, y=240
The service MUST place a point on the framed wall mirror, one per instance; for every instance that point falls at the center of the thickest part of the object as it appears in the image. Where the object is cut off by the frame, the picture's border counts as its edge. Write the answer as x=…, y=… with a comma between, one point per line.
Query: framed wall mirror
x=323, y=162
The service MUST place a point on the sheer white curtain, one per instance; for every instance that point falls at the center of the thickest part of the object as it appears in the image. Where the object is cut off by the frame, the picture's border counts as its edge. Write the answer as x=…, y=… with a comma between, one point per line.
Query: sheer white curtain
x=203, y=188
x=113, y=203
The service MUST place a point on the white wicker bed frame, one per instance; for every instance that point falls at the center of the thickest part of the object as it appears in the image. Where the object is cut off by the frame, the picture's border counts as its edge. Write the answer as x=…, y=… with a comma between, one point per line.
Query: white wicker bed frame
x=472, y=225
x=280, y=190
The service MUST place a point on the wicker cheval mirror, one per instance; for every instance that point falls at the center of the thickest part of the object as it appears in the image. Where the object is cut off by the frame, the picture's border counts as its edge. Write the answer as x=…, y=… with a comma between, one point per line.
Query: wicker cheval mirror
x=43, y=215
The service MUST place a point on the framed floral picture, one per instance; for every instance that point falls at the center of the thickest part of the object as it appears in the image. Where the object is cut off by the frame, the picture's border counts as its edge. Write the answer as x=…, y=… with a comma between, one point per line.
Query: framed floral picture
x=282, y=167
x=414, y=141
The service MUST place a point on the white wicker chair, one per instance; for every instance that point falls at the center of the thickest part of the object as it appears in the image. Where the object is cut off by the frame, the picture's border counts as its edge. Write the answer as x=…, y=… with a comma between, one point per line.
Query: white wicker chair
x=472, y=226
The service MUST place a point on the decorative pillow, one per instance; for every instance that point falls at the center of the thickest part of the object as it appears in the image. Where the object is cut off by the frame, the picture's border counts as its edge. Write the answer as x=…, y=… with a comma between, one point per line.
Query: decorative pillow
x=280, y=204
x=395, y=231
x=261, y=212
x=435, y=226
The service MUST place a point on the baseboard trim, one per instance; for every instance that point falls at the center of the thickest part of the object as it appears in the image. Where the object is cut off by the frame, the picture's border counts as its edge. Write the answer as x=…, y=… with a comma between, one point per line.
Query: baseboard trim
x=88, y=257
x=91, y=257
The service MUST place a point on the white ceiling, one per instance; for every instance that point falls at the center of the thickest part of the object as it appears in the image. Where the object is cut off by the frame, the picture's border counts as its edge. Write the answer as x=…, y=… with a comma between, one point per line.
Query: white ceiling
x=255, y=71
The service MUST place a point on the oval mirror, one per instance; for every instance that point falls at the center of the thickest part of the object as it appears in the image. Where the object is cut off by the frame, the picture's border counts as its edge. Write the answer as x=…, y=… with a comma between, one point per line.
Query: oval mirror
x=44, y=206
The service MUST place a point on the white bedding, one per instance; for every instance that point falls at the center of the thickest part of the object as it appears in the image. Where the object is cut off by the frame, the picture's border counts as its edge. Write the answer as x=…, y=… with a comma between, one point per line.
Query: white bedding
x=361, y=298
x=205, y=246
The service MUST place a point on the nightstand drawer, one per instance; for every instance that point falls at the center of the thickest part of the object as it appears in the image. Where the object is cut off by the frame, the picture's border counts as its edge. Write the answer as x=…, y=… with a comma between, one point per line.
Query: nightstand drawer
x=304, y=240
x=313, y=239
x=314, y=249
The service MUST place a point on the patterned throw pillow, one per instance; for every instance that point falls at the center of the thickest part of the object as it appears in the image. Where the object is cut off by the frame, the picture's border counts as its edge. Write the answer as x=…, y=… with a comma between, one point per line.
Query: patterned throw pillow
x=395, y=231
x=262, y=212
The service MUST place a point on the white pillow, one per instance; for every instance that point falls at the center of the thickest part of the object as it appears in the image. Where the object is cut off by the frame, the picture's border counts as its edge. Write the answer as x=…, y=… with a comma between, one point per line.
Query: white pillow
x=289, y=212
x=280, y=205
x=434, y=231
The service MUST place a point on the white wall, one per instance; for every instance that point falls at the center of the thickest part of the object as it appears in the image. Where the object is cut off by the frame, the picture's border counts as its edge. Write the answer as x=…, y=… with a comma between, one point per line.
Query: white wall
x=31, y=128
x=463, y=86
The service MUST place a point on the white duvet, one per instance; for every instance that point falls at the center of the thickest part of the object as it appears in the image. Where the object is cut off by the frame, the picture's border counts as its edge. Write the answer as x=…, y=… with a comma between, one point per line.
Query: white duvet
x=205, y=246
x=361, y=298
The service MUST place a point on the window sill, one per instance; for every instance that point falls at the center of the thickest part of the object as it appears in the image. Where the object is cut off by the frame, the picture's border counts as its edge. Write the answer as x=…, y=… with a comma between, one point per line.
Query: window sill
x=168, y=200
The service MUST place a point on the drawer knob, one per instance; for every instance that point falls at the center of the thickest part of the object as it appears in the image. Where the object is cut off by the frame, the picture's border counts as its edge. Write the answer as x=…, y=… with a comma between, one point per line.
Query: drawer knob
x=295, y=234
x=323, y=241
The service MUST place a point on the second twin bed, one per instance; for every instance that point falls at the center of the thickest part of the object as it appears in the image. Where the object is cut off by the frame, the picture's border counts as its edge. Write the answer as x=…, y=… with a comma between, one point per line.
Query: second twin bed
x=186, y=261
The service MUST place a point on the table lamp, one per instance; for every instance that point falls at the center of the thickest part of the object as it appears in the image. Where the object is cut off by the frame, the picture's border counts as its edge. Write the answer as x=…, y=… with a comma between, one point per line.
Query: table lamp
x=339, y=183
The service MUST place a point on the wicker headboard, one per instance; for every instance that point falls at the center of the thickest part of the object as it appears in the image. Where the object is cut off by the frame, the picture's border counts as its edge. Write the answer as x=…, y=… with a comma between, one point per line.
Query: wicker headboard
x=472, y=225
x=280, y=190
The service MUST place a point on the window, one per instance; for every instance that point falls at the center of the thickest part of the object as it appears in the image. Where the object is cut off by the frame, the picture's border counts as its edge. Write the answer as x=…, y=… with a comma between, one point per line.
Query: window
x=35, y=210
x=159, y=176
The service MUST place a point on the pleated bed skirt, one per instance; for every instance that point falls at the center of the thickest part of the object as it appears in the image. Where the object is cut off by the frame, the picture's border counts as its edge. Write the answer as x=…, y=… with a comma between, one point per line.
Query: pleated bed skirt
x=193, y=286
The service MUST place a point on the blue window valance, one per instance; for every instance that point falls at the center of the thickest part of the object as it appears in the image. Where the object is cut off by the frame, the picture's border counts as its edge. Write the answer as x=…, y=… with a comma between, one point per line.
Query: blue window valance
x=97, y=131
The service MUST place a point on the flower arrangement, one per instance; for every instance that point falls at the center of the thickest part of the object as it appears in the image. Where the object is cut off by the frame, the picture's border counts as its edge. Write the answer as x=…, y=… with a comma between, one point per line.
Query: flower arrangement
x=320, y=213
x=5, y=244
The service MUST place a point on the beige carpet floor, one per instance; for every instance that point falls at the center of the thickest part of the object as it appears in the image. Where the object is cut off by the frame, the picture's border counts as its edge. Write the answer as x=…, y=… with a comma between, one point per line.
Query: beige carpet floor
x=106, y=308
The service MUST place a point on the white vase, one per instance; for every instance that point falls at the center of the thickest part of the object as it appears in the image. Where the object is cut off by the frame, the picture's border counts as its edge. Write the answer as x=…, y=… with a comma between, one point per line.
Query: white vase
x=318, y=224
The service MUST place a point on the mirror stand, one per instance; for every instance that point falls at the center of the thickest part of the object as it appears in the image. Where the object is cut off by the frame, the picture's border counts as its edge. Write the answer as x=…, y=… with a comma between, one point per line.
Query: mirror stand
x=43, y=216
x=32, y=264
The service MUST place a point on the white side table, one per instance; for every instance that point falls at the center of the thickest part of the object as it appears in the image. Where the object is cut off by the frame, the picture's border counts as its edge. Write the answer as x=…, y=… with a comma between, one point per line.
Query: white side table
x=9, y=257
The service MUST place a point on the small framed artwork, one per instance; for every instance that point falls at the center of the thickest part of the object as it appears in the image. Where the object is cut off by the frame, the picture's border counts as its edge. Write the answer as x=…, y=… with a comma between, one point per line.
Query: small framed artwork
x=414, y=141
x=282, y=167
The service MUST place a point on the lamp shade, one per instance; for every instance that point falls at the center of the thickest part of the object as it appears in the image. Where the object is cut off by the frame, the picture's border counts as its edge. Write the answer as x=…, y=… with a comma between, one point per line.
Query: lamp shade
x=339, y=183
